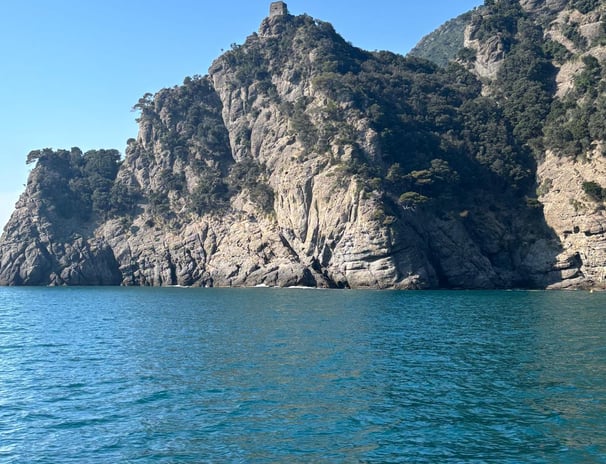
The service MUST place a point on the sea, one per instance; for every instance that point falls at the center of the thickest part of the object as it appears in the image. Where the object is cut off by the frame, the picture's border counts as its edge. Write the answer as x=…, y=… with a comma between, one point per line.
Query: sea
x=182, y=375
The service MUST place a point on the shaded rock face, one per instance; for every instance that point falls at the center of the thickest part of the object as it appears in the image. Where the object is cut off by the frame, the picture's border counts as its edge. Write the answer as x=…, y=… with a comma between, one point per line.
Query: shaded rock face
x=303, y=218
x=31, y=255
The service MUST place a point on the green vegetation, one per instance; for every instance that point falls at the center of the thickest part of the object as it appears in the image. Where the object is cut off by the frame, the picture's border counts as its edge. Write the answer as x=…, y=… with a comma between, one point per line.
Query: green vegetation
x=594, y=191
x=525, y=85
x=213, y=191
x=500, y=19
x=251, y=176
x=578, y=120
x=585, y=6
x=438, y=141
x=186, y=120
x=556, y=52
x=572, y=31
x=210, y=193
x=82, y=186
x=526, y=82
x=424, y=113
x=439, y=138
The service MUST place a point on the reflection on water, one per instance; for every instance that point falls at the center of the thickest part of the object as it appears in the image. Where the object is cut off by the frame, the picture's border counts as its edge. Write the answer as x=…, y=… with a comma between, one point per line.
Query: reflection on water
x=266, y=375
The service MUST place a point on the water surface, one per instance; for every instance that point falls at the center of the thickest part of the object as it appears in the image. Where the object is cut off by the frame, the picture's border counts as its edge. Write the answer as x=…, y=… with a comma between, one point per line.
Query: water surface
x=137, y=375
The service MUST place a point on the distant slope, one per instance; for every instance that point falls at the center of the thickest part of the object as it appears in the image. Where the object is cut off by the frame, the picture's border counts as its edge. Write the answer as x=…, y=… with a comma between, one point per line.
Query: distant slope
x=443, y=44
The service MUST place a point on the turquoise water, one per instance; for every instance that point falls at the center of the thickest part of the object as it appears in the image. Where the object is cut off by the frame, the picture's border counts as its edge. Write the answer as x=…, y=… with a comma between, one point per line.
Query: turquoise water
x=112, y=375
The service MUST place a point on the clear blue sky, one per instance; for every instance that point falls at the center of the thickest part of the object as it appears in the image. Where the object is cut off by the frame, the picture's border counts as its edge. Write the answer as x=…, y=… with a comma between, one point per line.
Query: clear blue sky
x=72, y=69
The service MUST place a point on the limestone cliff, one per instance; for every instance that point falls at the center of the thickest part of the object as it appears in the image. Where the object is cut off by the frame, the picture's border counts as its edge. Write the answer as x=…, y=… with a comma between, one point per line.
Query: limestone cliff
x=299, y=160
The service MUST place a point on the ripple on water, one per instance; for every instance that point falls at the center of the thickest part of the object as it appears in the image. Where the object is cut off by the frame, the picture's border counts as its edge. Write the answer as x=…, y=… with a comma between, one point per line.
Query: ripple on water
x=267, y=375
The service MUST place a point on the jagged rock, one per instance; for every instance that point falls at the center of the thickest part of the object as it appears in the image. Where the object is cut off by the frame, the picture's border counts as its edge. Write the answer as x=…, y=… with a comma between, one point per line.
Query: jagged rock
x=31, y=255
x=489, y=53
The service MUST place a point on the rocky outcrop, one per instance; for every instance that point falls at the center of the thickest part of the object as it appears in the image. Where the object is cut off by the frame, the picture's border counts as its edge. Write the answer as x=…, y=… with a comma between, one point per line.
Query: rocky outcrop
x=577, y=219
x=32, y=255
x=490, y=53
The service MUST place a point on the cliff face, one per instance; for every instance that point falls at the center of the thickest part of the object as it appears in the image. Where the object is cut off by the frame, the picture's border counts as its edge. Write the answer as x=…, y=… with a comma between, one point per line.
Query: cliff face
x=299, y=160
x=571, y=167
x=566, y=173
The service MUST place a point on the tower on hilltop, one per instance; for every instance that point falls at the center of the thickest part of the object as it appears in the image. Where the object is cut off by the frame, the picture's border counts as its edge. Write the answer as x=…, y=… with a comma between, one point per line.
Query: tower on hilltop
x=278, y=9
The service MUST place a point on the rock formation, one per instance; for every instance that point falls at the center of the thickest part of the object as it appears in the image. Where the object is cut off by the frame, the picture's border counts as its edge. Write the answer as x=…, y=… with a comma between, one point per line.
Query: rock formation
x=300, y=160
x=574, y=32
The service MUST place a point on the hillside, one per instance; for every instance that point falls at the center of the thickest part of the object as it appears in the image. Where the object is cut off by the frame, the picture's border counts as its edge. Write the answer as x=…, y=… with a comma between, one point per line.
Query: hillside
x=300, y=159
x=442, y=45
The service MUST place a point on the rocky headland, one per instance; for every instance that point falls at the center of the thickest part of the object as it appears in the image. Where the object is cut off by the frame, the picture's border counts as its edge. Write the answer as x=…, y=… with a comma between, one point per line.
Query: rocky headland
x=301, y=160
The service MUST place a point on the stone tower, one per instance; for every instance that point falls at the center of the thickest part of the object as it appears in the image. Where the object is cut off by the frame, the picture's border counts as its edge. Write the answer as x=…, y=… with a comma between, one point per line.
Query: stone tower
x=278, y=9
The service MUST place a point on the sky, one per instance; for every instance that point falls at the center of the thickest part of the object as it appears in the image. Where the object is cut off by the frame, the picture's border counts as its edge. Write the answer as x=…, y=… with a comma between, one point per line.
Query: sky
x=71, y=70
